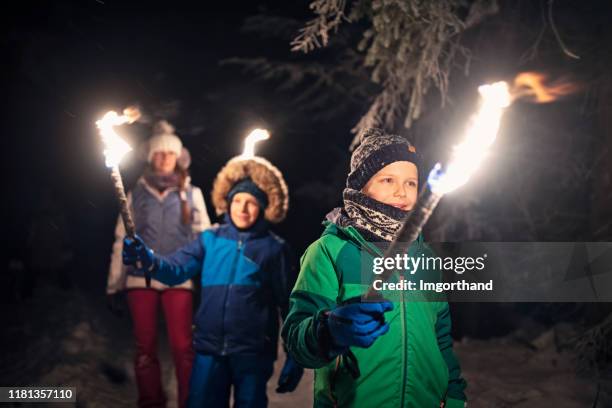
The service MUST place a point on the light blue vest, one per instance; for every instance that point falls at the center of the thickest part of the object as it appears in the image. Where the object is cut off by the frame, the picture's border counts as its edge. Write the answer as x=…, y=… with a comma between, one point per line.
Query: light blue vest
x=158, y=223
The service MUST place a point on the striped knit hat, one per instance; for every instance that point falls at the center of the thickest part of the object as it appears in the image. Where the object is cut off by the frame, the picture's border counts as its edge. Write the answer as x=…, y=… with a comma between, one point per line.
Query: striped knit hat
x=377, y=150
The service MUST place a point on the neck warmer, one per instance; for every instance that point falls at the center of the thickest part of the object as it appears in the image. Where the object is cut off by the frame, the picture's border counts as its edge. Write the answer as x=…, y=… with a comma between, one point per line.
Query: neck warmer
x=376, y=221
x=162, y=182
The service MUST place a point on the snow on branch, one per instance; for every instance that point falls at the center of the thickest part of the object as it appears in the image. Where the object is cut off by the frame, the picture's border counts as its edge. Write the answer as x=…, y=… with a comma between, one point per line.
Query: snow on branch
x=409, y=46
x=315, y=34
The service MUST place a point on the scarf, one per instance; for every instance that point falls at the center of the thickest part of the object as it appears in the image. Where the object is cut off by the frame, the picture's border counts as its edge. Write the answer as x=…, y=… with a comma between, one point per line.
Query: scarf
x=162, y=182
x=376, y=221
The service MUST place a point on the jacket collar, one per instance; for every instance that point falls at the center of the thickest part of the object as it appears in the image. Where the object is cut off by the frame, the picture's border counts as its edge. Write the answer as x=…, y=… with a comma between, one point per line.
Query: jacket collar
x=259, y=229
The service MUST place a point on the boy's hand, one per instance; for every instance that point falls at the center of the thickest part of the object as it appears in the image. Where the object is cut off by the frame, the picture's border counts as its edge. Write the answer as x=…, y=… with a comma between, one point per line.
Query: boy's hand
x=134, y=251
x=290, y=376
x=358, y=324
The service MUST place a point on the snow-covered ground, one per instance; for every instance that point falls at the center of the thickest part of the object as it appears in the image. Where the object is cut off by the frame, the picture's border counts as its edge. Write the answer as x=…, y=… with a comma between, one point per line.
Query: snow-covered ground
x=62, y=338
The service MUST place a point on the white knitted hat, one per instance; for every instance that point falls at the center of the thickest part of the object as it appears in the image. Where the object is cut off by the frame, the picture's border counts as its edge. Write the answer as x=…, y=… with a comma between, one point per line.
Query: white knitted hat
x=164, y=140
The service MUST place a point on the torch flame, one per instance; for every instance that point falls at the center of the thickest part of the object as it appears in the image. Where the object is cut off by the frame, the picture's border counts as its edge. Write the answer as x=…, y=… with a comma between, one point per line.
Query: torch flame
x=114, y=146
x=481, y=134
x=531, y=86
x=249, y=143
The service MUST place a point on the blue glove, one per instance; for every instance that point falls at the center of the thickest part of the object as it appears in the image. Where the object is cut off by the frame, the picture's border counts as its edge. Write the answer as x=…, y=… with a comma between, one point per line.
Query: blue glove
x=358, y=324
x=290, y=376
x=135, y=250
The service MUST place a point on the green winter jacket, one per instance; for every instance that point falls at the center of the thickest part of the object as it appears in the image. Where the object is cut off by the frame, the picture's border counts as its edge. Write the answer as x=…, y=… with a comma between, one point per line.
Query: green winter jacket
x=412, y=365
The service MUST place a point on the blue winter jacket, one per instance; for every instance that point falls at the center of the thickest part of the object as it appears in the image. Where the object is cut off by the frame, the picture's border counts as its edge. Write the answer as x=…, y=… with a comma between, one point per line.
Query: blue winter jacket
x=246, y=280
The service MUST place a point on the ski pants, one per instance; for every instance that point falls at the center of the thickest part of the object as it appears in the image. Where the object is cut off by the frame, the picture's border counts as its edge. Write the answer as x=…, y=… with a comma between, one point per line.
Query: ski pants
x=212, y=377
x=178, y=310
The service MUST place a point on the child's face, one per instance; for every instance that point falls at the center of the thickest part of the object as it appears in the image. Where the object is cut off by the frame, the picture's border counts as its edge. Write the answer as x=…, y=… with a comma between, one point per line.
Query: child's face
x=244, y=210
x=395, y=184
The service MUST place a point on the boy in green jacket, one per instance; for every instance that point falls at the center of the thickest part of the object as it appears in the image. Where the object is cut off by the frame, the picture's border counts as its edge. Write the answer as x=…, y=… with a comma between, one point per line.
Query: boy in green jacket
x=374, y=354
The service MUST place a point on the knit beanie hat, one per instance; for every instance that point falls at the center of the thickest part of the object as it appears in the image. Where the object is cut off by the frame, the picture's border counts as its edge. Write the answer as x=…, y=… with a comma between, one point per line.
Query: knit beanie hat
x=164, y=140
x=377, y=150
x=247, y=186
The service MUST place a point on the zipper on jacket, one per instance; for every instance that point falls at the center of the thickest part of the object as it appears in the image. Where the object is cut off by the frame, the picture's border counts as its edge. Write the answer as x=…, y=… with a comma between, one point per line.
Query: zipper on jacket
x=404, y=344
x=229, y=287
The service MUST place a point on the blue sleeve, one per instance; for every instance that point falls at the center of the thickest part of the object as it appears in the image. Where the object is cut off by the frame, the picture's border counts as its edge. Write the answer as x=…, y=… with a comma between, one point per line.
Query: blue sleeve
x=181, y=265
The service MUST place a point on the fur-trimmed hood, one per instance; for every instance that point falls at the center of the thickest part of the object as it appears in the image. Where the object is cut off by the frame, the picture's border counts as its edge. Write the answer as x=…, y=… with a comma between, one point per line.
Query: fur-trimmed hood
x=264, y=174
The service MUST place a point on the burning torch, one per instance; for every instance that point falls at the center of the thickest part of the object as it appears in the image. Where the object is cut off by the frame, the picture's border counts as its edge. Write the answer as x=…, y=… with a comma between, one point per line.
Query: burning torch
x=114, y=150
x=465, y=160
x=255, y=136
x=467, y=155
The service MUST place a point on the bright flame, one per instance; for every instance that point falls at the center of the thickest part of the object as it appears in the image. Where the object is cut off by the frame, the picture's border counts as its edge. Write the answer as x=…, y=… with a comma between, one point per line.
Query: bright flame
x=531, y=86
x=114, y=146
x=249, y=143
x=480, y=135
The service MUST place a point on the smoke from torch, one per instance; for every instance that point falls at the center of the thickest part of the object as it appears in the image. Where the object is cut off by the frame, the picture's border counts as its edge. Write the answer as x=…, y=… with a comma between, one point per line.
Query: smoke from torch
x=115, y=149
x=467, y=155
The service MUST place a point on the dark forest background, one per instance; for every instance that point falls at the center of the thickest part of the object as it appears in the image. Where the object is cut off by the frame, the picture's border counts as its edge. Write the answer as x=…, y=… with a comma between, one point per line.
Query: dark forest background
x=218, y=70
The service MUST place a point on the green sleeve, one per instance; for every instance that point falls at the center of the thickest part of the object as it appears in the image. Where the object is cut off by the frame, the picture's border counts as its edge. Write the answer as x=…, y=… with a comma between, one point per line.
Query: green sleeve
x=456, y=384
x=315, y=292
